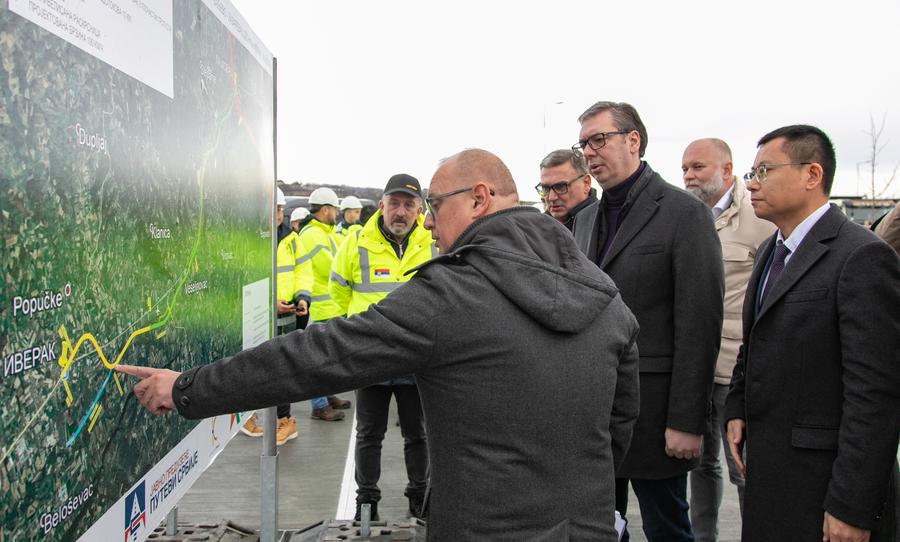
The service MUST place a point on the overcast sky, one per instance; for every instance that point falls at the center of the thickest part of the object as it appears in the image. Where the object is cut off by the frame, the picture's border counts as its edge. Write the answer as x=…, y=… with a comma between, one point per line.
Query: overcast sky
x=368, y=89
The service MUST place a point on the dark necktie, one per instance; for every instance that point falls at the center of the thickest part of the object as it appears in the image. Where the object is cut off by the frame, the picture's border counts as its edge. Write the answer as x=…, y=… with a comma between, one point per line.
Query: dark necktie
x=781, y=252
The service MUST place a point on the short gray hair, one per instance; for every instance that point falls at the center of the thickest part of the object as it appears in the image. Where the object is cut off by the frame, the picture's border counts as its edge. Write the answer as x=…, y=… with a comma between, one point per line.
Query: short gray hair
x=625, y=117
x=563, y=156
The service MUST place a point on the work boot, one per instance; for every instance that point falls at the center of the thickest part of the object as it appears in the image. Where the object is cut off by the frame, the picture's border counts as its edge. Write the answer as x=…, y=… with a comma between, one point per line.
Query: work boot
x=327, y=414
x=251, y=429
x=358, y=516
x=286, y=430
x=337, y=403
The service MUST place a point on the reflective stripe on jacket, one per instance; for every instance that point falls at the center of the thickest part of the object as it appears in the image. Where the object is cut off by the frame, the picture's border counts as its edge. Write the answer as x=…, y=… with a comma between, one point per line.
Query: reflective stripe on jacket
x=317, y=245
x=366, y=268
x=343, y=231
x=288, y=274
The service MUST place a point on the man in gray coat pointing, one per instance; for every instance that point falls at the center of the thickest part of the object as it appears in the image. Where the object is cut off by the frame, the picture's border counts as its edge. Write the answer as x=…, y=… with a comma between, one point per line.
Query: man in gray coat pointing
x=509, y=318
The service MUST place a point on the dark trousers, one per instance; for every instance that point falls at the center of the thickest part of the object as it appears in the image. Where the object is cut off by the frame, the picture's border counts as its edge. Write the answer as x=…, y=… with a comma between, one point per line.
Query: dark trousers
x=622, y=504
x=622, y=496
x=707, y=487
x=372, y=405
x=664, y=509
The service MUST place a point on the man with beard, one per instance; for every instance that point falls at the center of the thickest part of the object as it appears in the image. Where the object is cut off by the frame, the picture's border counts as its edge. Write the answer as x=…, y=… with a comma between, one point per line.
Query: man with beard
x=510, y=317
x=318, y=244
x=658, y=243
x=707, y=172
x=370, y=264
x=565, y=186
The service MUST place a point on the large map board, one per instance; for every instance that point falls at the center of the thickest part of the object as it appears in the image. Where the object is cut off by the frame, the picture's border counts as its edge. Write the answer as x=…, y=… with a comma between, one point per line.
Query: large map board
x=136, y=180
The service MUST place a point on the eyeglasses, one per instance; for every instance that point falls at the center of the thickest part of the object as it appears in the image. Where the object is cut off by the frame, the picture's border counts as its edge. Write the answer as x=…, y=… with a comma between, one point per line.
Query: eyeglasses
x=432, y=200
x=758, y=173
x=596, y=141
x=559, y=188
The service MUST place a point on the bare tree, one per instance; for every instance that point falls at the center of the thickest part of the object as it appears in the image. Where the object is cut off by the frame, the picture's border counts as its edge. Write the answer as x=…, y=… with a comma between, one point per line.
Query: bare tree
x=875, y=148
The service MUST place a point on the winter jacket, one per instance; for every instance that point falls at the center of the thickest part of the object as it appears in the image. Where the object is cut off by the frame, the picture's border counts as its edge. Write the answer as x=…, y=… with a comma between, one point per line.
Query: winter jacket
x=318, y=245
x=344, y=230
x=366, y=268
x=666, y=260
x=290, y=269
x=497, y=330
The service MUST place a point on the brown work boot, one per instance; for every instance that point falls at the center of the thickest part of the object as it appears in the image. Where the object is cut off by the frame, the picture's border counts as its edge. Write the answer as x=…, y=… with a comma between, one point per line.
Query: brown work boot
x=286, y=430
x=251, y=429
x=327, y=414
x=337, y=403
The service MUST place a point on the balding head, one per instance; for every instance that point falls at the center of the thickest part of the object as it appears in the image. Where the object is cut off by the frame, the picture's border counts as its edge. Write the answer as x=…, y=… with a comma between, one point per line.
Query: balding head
x=706, y=168
x=476, y=165
x=491, y=189
x=714, y=144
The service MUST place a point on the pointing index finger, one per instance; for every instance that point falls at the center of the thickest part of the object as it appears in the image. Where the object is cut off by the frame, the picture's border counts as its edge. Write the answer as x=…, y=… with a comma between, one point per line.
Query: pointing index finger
x=134, y=370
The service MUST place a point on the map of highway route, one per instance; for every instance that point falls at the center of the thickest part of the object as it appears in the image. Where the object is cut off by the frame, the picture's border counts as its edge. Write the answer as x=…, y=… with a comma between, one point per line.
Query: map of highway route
x=136, y=207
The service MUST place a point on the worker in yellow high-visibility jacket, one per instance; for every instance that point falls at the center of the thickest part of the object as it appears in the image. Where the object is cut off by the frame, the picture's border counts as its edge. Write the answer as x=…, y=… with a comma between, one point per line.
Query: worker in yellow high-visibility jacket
x=318, y=245
x=370, y=264
x=351, y=209
x=292, y=301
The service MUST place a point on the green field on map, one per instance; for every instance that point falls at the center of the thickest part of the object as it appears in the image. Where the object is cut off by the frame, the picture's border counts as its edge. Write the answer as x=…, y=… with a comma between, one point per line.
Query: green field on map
x=129, y=223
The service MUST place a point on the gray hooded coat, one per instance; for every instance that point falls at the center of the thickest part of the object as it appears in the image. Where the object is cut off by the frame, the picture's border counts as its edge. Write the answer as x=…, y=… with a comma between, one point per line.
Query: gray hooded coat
x=526, y=362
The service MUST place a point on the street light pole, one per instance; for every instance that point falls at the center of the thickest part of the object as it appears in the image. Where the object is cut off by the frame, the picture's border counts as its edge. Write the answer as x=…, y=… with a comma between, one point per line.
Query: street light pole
x=548, y=114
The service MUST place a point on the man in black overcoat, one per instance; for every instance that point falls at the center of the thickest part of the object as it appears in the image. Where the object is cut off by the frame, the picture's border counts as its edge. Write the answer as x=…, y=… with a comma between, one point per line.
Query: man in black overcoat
x=815, y=395
x=660, y=246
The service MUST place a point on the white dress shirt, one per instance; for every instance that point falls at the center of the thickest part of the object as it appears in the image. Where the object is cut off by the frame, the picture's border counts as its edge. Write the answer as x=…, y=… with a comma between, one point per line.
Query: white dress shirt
x=796, y=237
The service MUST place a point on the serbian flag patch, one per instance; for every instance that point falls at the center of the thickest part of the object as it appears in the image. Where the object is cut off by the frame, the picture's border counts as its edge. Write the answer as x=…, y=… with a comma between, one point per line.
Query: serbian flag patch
x=382, y=273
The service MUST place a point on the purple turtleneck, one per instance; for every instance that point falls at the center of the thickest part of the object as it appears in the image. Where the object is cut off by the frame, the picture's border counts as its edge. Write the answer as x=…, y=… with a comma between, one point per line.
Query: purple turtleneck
x=613, y=202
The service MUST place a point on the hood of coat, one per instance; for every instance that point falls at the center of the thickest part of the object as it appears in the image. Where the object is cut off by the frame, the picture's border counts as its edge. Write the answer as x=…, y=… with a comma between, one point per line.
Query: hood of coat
x=533, y=261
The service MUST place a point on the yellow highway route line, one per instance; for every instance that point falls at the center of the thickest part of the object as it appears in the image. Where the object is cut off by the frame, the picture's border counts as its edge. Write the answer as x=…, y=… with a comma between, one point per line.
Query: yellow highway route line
x=66, y=360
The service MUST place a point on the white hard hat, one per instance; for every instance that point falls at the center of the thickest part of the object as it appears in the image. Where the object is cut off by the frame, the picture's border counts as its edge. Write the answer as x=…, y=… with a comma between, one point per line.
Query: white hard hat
x=323, y=196
x=279, y=197
x=350, y=202
x=299, y=213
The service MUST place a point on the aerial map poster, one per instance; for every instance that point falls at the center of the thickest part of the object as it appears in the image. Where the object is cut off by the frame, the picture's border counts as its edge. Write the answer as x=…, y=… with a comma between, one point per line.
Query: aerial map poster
x=136, y=180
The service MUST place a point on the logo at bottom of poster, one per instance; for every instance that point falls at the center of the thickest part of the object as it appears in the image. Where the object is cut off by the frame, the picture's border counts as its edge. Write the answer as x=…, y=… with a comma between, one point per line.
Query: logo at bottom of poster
x=135, y=512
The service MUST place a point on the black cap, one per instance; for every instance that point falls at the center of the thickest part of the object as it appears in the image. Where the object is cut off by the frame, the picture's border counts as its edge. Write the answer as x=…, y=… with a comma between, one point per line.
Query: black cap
x=403, y=183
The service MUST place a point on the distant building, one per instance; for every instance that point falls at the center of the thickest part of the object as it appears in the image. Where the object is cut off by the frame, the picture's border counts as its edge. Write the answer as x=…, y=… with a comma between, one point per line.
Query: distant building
x=863, y=210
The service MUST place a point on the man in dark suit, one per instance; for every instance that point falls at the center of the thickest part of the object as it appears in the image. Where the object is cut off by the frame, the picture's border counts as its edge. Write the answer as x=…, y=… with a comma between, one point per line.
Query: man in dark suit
x=659, y=244
x=815, y=395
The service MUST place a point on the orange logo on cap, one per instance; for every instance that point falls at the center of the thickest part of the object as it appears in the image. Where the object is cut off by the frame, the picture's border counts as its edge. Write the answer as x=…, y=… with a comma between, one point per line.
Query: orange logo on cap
x=411, y=187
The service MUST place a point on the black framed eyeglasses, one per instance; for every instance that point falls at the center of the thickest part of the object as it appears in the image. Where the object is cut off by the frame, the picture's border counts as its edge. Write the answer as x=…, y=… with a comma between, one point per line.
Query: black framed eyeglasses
x=560, y=188
x=758, y=173
x=596, y=141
